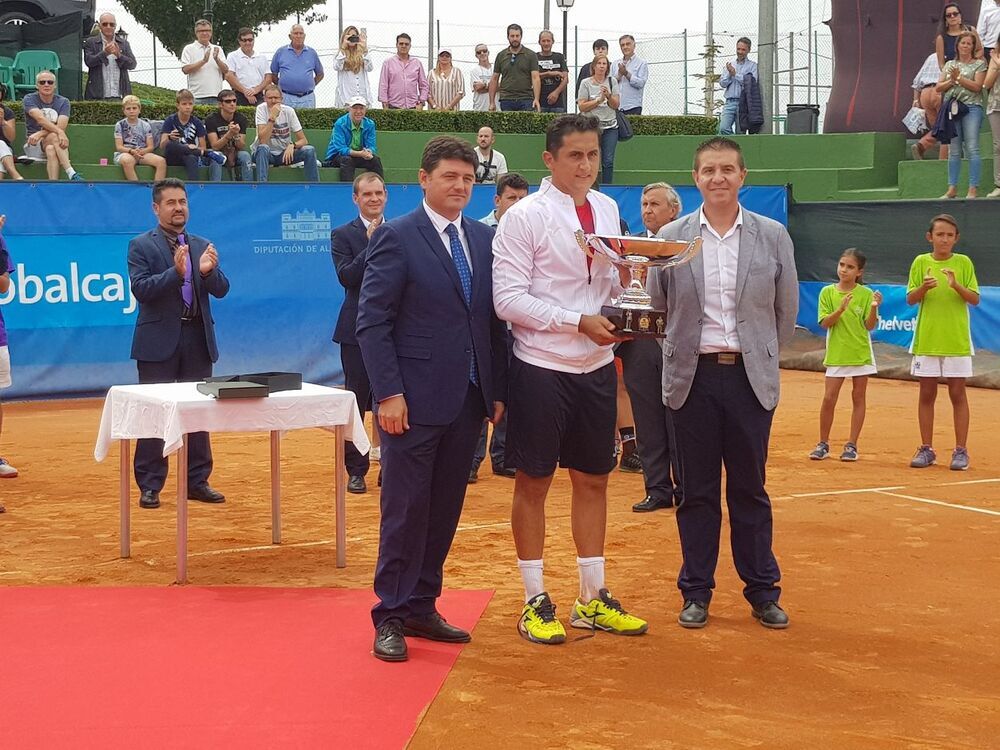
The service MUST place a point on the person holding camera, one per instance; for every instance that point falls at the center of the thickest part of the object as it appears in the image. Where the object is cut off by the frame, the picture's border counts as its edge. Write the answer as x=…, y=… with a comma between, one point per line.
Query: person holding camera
x=109, y=58
x=492, y=164
x=353, y=65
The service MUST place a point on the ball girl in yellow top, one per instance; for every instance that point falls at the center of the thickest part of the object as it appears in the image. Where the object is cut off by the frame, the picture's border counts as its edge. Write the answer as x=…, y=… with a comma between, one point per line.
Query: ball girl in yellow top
x=848, y=311
x=944, y=284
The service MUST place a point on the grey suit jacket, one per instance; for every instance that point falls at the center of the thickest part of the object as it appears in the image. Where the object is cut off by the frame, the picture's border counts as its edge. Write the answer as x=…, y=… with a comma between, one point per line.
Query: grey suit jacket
x=767, y=302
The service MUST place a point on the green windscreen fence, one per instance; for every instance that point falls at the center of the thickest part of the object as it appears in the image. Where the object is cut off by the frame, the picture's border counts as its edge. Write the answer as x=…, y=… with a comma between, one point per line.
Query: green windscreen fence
x=61, y=34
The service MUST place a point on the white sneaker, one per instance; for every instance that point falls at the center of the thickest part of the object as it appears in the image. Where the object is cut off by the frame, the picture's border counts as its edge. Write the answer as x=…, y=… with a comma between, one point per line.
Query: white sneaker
x=376, y=454
x=994, y=193
x=6, y=470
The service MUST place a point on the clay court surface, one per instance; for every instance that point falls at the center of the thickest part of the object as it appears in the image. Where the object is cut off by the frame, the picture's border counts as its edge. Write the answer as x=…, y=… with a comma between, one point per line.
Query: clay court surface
x=890, y=576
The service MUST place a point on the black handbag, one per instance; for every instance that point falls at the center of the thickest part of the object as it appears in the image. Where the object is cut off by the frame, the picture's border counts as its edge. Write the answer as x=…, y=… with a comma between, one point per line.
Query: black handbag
x=624, y=126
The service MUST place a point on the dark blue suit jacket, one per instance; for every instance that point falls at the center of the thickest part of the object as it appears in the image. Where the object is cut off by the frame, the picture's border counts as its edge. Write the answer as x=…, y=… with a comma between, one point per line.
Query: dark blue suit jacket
x=415, y=330
x=157, y=287
x=348, y=244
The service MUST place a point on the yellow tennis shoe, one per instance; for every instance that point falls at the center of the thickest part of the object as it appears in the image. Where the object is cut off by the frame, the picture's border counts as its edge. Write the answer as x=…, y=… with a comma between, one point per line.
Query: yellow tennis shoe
x=538, y=622
x=606, y=613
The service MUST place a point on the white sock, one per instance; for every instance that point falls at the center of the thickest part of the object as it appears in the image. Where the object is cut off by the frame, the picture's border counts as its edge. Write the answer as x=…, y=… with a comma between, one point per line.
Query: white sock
x=591, y=577
x=531, y=574
x=70, y=172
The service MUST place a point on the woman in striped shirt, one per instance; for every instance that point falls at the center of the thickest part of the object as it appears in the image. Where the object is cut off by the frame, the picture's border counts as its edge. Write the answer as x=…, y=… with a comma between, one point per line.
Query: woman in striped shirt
x=446, y=83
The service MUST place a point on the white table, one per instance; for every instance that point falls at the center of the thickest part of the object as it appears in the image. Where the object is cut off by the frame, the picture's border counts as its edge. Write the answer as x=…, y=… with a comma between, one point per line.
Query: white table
x=170, y=411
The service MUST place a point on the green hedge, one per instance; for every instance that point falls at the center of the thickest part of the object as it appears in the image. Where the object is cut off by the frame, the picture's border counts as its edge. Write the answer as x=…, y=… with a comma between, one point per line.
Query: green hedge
x=108, y=113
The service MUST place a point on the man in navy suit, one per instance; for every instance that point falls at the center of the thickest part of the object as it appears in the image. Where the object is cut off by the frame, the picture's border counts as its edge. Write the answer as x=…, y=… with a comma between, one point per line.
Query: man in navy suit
x=437, y=357
x=349, y=244
x=172, y=274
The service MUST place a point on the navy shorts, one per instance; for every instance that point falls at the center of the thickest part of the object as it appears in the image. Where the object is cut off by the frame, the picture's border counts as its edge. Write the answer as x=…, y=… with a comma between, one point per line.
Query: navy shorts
x=560, y=418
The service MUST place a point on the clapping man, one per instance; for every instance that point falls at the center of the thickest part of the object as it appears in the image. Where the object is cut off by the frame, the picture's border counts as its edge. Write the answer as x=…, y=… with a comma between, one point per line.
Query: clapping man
x=204, y=65
x=108, y=57
x=227, y=134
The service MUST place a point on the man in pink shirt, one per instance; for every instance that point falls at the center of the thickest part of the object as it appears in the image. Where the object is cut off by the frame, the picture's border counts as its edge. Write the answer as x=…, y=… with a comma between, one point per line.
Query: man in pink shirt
x=403, y=83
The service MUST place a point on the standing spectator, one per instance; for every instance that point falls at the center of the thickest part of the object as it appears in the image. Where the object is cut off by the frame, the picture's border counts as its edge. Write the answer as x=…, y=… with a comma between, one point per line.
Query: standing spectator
x=402, y=83
x=989, y=26
x=134, y=142
x=599, y=98
x=227, y=134
x=445, y=84
x=962, y=81
x=352, y=142
x=631, y=73
x=353, y=66
x=297, y=71
x=349, y=245
x=108, y=57
x=7, y=131
x=993, y=113
x=728, y=319
x=183, y=138
x=277, y=126
x=204, y=64
x=46, y=116
x=731, y=83
x=492, y=164
x=173, y=275
x=553, y=73
x=479, y=79
x=928, y=98
x=600, y=47
x=515, y=76
x=249, y=70
x=949, y=29
x=7, y=265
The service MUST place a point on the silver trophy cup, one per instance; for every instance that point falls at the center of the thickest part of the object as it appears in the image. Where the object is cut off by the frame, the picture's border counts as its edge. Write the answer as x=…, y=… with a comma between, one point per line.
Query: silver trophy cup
x=633, y=313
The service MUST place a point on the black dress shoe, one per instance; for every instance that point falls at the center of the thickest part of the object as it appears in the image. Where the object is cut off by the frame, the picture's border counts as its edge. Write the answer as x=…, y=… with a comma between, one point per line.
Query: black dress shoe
x=205, y=494
x=356, y=485
x=693, y=615
x=379, y=481
x=652, y=503
x=390, y=645
x=770, y=615
x=504, y=471
x=434, y=628
x=149, y=499
x=473, y=475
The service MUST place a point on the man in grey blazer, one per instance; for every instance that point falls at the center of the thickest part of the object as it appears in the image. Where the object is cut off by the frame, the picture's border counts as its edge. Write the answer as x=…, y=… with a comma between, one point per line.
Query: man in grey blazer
x=727, y=312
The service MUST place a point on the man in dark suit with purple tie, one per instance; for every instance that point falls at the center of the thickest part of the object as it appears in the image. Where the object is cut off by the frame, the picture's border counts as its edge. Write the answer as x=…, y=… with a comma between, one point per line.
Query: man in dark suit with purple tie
x=172, y=273
x=349, y=245
x=437, y=357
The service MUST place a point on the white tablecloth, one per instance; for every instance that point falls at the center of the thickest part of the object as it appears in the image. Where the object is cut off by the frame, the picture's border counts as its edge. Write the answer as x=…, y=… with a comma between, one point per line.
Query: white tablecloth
x=170, y=410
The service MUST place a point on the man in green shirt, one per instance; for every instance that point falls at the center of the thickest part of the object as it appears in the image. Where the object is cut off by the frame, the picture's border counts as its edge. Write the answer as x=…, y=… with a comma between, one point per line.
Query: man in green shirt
x=516, y=76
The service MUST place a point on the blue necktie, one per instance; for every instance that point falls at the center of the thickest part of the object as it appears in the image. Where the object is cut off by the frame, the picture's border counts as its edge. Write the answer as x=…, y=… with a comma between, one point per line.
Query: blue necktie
x=465, y=276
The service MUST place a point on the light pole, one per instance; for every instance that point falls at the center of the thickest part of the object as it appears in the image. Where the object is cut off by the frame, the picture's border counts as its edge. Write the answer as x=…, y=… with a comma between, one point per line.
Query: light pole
x=565, y=5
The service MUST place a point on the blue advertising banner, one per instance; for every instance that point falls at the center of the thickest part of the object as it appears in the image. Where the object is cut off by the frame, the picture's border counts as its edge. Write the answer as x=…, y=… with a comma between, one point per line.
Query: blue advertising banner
x=70, y=313
x=897, y=320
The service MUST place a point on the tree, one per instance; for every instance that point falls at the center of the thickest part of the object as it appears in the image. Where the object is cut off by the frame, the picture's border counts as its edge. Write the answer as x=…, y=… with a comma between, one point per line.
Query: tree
x=172, y=21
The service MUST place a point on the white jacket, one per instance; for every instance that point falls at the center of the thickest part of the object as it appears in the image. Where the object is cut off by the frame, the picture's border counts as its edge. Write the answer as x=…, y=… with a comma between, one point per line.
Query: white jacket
x=541, y=283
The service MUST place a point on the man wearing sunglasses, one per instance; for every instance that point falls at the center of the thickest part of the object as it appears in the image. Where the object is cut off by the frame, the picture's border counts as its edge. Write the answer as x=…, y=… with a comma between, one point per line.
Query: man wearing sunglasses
x=109, y=58
x=227, y=134
x=249, y=71
x=46, y=115
x=479, y=79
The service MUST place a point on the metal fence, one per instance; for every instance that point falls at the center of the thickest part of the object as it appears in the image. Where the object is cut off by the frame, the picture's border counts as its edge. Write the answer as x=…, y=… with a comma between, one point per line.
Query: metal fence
x=678, y=62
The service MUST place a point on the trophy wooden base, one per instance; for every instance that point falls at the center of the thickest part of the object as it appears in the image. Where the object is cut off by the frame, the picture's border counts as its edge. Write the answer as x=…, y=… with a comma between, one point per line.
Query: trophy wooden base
x=636, y=323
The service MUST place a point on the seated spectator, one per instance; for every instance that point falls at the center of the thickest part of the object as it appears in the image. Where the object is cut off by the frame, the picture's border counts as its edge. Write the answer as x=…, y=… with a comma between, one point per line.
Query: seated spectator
x=182, y=138
x=599, y=98
x=492, y=164
x=6, y=269
x=7, y=130
x=204, y=64
x=446, y=84
x=353, y=66
x=227, y=134
x=277, y=126
x=352, y=142
x=928, y=98
x=249, y=71
x=297, y=70
x=134, y=142
x=46, y=116
x=600, y=47
x=108, y=58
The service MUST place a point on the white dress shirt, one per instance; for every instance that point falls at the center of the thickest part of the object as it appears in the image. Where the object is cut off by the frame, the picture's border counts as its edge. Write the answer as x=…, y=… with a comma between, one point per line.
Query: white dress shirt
x=441, y=225
x=721, y=256
x=349, y=83
x=541, y=283
x=249, y=70
x=989, y=24
x=631, y=87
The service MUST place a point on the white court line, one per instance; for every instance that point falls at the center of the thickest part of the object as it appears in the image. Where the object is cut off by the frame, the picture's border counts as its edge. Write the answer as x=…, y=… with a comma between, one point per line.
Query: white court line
x=846, y=492
x=262, y=547
x=968, y=481
x=484, y=526
x=939, y=502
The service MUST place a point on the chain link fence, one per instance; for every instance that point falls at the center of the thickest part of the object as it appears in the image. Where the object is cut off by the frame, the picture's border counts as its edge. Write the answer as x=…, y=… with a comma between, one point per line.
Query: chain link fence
x=678, y=62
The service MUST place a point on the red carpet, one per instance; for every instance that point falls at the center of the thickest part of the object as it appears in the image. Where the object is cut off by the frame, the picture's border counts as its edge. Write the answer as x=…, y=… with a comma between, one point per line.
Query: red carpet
x=188, y=667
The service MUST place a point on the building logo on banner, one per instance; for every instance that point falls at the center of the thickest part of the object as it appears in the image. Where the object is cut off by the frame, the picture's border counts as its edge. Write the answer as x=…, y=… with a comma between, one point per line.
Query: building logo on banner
x=303, y=232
